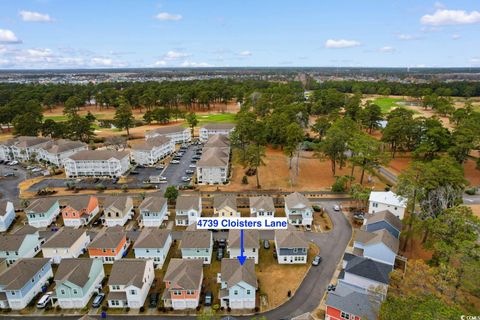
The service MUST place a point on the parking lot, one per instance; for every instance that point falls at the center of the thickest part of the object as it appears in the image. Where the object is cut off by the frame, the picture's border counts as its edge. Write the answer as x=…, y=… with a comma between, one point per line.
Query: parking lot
x=175, y=172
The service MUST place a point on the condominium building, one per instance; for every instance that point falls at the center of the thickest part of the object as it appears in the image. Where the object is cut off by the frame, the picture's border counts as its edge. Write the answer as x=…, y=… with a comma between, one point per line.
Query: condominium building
x=211, y=129
x=97, y=163
x=150, y=151
x=213, y=166
x=178, y=134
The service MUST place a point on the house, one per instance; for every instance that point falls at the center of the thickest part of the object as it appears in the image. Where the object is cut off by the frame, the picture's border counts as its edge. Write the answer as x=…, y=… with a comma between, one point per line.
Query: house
x=188, y=209
x=387, y=200
x=97, y=163
x=225, y=206
x=298, y=209
x=291, y=246
x=346, y=303
x=211, y=129
x=109, y=244
x=197, y=244
x=150, y=151
x=183, y=284
x=23, y=280
x=55, y=152
x=262, y=206
x=213, y=166
x=66, y=243
x=80, y=211
x=383, y=220
x=23, y=148
x=177, y=134
x=7, y=214
x=129, y=283
x=251, y=243
x=76, y=280
x=366, y=275
x=238, y=284
x=42, y=212
x=24, y=243
x=153, y=243
x=378, y=245
x=153, y=211
x=117, y=210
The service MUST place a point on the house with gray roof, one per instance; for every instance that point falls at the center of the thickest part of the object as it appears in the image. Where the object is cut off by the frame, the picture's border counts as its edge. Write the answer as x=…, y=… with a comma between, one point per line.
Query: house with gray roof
x=251, y=243
x=238, y=284
x=24, y=148
x=109, y=244
x=42, y=212
x=197, y=244
x=153, y=243
x=149, y=152
x=188, y=209
x=291, y=246
x=153, y=211
x=66, y=243
x=56, y=151
x=383, y=220
x=379, y=245
x=213, y=166
x=262, y=206
x=177, y=134
x=77, y=280
x=129, y=283
x=210, y=129
x=225, y=206
x=298, y=209
x=7, y=214
x=117, y=210
x=97, y=163
x=23, y=280
x=183, y=284
x=20, y=244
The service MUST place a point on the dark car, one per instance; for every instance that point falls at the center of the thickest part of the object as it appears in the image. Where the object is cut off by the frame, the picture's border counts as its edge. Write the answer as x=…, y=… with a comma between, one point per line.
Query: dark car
x=220, y=254
x=222, y=243
x=208, y=298
x=97, y=301
x=134, y=172
x=266, y=244
x=153, y=300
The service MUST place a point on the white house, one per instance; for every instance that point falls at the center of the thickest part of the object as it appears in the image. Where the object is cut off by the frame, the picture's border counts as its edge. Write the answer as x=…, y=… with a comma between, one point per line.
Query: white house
x=213, y=166
x=117, y=210
x=66, y=243
x=22, y=148
x=211, y=129
x=129, y=283
x=178, y=134
x=238, y=284
x=197, y=244
x=97, y=163
x=378, y=245
x=153, y=243
x=188, y=209
x=291, y=246
x=150, y=151
x=153, y=211
x=387, y=200
x=55, y=152
x=7, y=214
x=251, y=243
x=298, y=209
x=42, y=212
x=225, y=206
x=262, y=206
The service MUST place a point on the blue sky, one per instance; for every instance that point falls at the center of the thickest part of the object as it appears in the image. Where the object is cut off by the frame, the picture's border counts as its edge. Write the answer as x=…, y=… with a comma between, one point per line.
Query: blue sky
x=229, y=33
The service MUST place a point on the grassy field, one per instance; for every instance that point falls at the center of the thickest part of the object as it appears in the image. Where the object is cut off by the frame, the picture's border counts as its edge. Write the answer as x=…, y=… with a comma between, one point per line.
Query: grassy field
x=64, y=117
x=386, y=104
x=220, y=117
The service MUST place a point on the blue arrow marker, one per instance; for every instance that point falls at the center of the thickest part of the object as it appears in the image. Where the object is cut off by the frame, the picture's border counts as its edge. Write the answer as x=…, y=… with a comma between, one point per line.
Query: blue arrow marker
x=241, y=258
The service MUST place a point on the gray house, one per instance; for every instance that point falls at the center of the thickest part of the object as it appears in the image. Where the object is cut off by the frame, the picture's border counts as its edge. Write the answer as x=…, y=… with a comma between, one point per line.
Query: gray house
x=291, y=246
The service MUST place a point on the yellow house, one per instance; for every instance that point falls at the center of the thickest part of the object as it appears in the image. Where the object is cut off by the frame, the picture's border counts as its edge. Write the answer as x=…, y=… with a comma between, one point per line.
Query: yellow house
x=225, y=206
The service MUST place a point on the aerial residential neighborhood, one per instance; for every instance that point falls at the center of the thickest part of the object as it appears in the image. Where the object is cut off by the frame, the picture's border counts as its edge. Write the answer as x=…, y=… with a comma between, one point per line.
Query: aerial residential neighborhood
x=227, y=160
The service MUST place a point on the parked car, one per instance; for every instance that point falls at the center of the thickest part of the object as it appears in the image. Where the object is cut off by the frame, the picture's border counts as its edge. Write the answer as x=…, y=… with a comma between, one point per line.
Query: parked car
x=174, y=161
x=44, y=300
x=160, y=167
x=189, y=171
x=316, y=260
x=9, y=174
x=192, y=166
x=162, y=178
x=163, y=181
x=97, y=301
x=336, y=207
x=134, y=172
x=13, y=163
x=208, y=298
x=186, y=179
x=266, y=244
x=153, y=300
x=308, y=227
x=331, y=287
x=222, y=243
x=220, y=253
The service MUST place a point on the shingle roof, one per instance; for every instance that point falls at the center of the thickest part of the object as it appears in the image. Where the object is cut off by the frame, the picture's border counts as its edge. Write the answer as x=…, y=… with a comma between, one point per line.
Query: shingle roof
x=62, y=145
x=152, y=238
x=27, y=141
x=220, y=202
x=187, y=202
x=40, y=205
x=64, y=238
x=128, y=272
x=186, y=274
x=196, y=239
x=217, y=141
x=120, y=203
x=348, y=256
x=387, y=216
x=251, y=238
x=296, y=200
x=76, y=271
x=108, y=238
x=262, y=202
x=214, y=157
x=151, y=143
x=388, y=197
x=153, y=204
x=379, y=236
x=370, y=269
x=79, y=203
x=232, y=272
x=219, y=126
x=290, y=238
x=99, y=155
x=11, y=242
x=22, y=271
x=26, y=229
x=347, y=300
x=167, y=130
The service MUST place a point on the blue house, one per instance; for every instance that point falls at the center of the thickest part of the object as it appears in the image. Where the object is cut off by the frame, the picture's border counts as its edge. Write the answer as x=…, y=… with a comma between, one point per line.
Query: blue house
x=384, y=220
x=153, y=243
x=7, y=214
x=42, y=212
x=23, y=280
x=24, y=243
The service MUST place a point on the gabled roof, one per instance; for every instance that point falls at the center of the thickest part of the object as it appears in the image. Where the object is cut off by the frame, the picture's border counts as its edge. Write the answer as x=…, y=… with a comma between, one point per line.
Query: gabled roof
x=152, y=238
x=388, y=197
x=213, y=157
x=262, y=202
x=64, y=238
x=28, y=141
x=380, y=236
x=219, y=126
x=193, y=238
x=167, y=130
x=188, y=202
x=76, y=271
x=347, y=300
x=99, y=155
x=290, y=238
x=108, y=238
x=153, y=204
x=297, y=200
x=128, y=272
x=233, y=273
x=119, y=203
x=79, y=203
x=21, y=272
x=370, y=269
x=41, y=205
x=220, y=202
x=183, y=273
x=62, y=145
x=11, y=242
x=151, y=143
x=26, y=229
x=251, y=238
x=386, y=216
x=217, y=141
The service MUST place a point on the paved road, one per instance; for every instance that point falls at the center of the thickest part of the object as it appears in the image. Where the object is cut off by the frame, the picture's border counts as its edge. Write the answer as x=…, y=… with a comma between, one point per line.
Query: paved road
x=9, y=185
x=175, y=172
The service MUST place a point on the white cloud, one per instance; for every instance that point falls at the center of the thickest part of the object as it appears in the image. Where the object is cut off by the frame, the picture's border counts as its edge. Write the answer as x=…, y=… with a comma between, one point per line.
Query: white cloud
x=165, y=16
x=160, y=63
x=407, y=37
x=475, y=61
x=31, y=16
x=191, y=64
x=174, y=55
x=456, y=36
x=245, y=53
x=39, y=52
x=387, y=49
x=106, y=62
x=341, y=43
x=7, y=36
x=451, y=17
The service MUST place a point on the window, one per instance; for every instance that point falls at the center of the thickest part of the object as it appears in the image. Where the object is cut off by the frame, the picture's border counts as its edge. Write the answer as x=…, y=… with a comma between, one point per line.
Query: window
x=248, y=291
x=235, y=292
x=62, y=291
x=133, y=292
x=344, y=315
x=75, y=291
x=253, y=249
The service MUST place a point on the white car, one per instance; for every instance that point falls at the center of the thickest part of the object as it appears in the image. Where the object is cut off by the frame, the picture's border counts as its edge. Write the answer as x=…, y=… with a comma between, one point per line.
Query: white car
x=336, y=207
x=44, y=300
x=36, y=170
x=186, y=179
x=163, y=181
x=174, y=162
x=192, y=166
x=13, y=163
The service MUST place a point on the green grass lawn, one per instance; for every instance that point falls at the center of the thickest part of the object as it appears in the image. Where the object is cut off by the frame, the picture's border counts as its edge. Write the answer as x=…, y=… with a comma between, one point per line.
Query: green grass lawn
x=221, y=117
x=64, y=117
x=386, y=104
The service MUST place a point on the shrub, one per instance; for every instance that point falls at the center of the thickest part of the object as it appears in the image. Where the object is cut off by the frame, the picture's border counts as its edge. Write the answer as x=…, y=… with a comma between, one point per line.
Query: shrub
x=256, y=309
x=124, y=187
x=216, y=307
x=229, y=309
x=104, y=307
x=340, y=184
x=198, y=308
x=471, y=191
x=316, y=208
x=127, y=309
x=100, y=187
x=142, y=309
x=244, y=180
x=161, y=309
